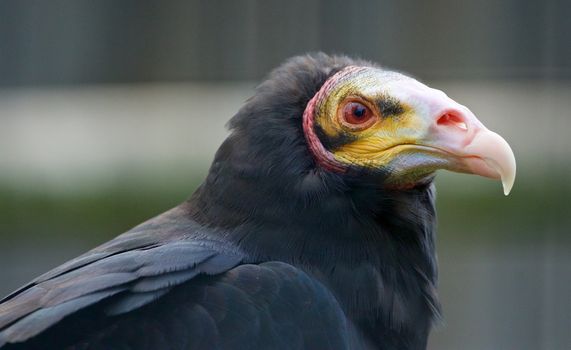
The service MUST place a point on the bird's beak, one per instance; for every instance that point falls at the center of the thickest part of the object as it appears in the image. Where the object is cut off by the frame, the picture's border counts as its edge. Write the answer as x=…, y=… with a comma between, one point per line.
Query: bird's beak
x=454, y=131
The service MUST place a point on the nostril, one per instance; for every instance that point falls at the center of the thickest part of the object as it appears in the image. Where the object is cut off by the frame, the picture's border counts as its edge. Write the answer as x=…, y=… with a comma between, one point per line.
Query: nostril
x=452, y=119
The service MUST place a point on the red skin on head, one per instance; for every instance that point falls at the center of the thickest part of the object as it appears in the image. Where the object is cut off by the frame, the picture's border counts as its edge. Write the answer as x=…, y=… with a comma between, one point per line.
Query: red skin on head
x=323, y=157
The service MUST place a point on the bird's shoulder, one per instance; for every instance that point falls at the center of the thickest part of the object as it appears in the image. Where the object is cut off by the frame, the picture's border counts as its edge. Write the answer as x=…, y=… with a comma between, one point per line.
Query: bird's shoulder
x=126, y=273
x=163, y=271
x=271, y=305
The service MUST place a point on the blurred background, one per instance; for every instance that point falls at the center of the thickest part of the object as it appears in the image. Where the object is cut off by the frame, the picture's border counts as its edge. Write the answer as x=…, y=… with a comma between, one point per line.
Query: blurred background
x=111, y=111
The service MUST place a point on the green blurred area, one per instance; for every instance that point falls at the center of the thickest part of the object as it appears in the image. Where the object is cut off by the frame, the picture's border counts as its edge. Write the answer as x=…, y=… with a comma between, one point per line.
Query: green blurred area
x=469, y=208
x=503, y=260
x=91, y=214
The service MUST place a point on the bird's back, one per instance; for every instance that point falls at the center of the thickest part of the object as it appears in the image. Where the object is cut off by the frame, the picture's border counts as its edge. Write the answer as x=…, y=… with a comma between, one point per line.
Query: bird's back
x=172, y=284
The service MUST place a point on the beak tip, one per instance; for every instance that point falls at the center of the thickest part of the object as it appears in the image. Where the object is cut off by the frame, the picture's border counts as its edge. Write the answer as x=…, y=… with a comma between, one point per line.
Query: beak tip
x=507, y=189
x=508, y=182
x=497, y=155
x=509, y=173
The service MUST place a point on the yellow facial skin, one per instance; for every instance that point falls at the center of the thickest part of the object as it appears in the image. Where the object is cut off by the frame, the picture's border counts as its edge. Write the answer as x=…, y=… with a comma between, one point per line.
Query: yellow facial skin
x=415, y=130
x=389, y=140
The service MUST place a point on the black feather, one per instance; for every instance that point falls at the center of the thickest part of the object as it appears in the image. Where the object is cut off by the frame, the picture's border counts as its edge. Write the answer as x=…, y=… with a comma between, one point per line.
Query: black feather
x=270, y=252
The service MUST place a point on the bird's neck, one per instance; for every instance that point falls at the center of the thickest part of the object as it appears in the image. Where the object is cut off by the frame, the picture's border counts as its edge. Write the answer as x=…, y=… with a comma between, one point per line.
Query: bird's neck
x=373, y=248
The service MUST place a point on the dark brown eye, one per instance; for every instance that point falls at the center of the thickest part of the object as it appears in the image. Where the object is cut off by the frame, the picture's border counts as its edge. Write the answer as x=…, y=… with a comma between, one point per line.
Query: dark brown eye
x=357, y=114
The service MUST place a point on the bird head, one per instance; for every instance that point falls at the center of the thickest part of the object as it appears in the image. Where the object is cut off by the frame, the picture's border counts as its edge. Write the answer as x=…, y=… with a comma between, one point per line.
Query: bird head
x=381, y=121
x=331, y=148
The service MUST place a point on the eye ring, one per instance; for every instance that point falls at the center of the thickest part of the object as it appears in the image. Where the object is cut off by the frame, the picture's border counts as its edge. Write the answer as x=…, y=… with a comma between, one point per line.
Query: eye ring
x=356, y=115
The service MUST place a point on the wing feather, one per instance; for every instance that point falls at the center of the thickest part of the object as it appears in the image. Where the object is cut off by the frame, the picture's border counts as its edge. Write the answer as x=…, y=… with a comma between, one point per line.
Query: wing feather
x=134, y=278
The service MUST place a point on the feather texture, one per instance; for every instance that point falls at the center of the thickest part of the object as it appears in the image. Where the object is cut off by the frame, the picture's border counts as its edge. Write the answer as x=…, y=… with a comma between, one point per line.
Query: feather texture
x=271, y=252
x=140, y=276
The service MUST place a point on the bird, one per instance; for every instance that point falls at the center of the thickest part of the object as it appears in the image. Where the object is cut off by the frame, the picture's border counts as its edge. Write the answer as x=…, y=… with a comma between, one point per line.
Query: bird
x=313, y=229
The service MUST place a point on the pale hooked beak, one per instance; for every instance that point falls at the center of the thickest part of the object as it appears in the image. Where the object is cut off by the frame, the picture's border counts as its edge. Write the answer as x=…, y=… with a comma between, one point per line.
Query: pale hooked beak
x=453, y=129
x=490, y=155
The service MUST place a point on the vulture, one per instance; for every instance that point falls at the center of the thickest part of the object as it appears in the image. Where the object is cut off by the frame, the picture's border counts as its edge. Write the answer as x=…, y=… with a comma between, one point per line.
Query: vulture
x=314, y=228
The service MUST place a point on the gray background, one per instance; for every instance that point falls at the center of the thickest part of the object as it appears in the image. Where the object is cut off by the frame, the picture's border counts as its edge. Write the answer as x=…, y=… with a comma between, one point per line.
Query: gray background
x=82, y=41
x=110, y=112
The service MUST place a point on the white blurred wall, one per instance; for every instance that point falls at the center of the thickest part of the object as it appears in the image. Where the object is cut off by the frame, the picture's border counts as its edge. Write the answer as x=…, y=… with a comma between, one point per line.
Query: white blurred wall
x=63, y=137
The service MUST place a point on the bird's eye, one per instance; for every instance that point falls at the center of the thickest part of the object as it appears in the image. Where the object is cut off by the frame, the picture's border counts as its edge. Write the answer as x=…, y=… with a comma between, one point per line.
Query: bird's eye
x=356, y=114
